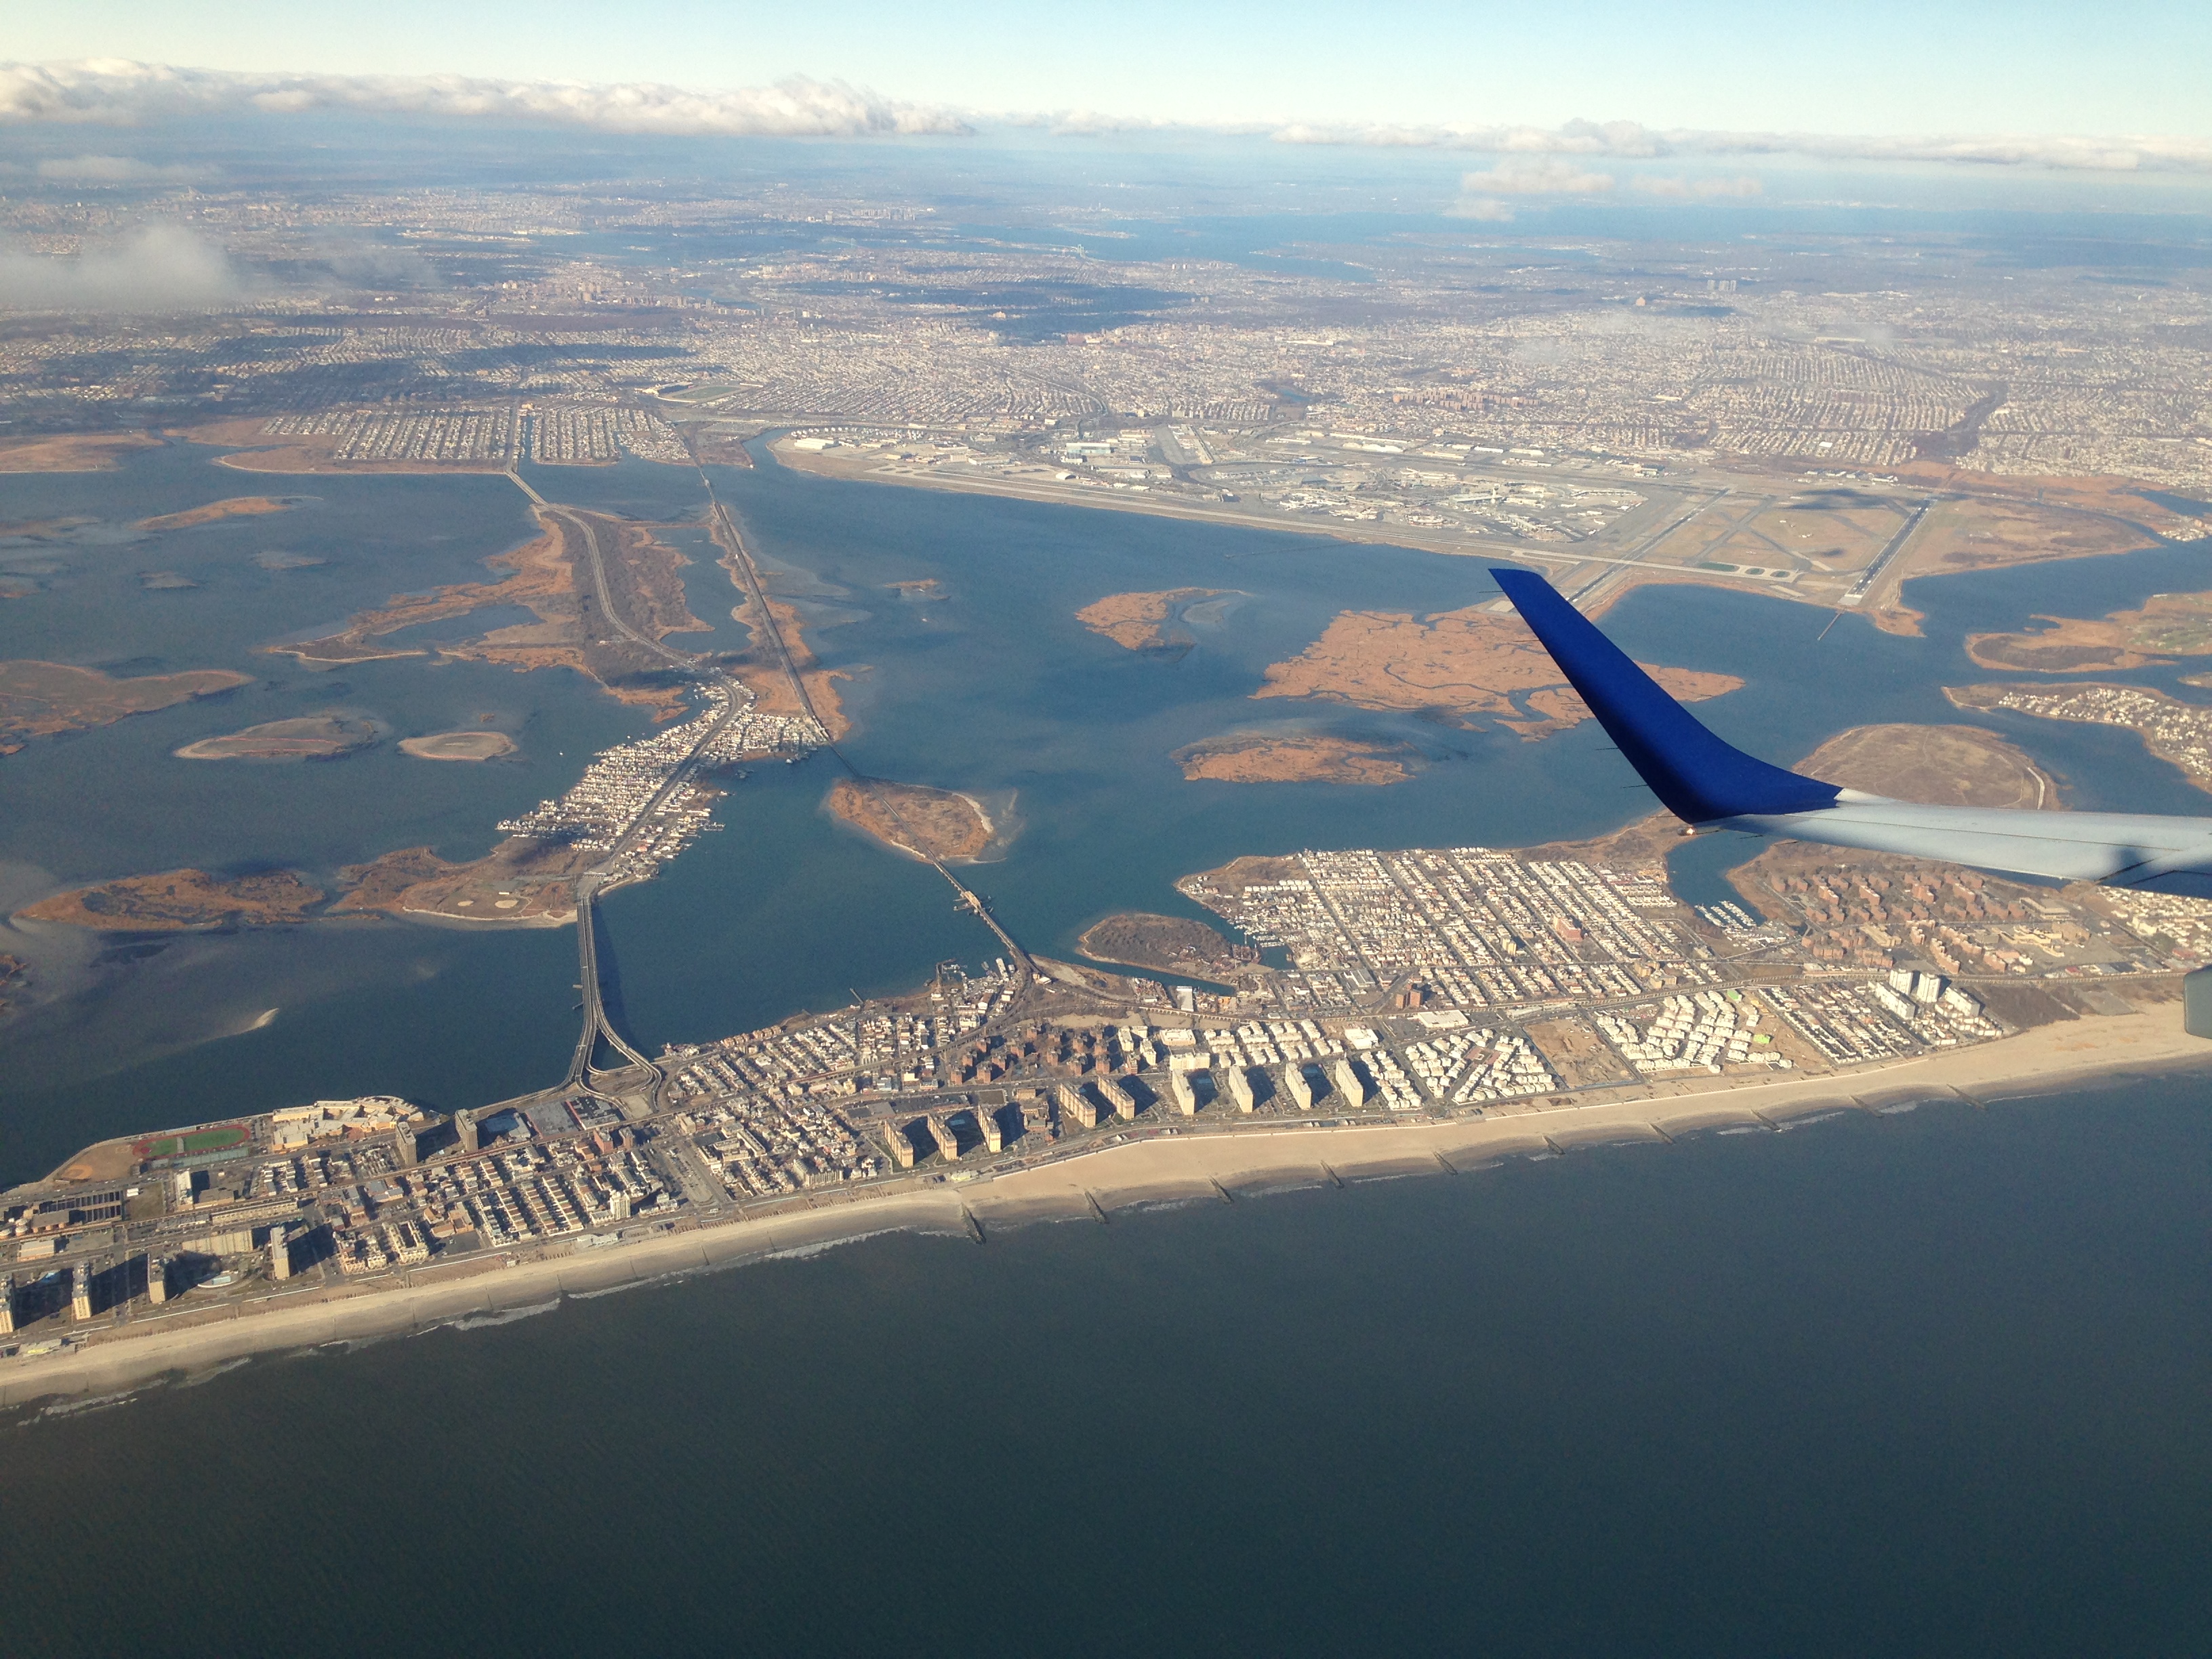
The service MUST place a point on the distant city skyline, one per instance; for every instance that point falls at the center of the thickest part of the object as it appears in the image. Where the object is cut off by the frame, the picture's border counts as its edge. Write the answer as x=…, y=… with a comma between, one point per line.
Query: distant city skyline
x=1949, y=67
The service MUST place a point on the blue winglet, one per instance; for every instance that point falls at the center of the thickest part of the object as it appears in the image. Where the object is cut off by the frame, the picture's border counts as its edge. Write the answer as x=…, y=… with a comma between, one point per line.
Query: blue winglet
x=1696, y=776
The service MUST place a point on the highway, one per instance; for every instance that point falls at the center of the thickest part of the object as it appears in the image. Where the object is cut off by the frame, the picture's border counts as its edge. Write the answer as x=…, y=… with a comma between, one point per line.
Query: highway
x=588, y=885
x=596, y=1023
x=965, y=898
x=590, y=533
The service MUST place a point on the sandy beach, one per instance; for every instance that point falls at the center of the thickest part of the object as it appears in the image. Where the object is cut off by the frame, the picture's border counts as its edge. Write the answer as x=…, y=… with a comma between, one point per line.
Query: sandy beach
x=1188, y=1159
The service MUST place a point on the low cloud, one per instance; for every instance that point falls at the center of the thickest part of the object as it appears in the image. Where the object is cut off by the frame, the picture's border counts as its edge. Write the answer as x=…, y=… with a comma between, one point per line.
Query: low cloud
x=1696, y=189
x=113, y=92
x=1483, y=195
x=1549, y=175
x=2070, y=153
x=161, y=268
x=1625, y=140
x=1103, y=124
x=1087, y=124
x=357, y=261
x=117, y=93
x=1631, y=141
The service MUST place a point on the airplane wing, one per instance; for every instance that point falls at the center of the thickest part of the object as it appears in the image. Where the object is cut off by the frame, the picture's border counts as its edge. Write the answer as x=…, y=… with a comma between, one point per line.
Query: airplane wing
x=1705, y=781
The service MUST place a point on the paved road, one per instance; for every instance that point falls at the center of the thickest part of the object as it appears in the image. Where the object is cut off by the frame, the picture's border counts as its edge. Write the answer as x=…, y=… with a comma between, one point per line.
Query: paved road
x=965, y=898
x=591, y=534
x=596, y=1024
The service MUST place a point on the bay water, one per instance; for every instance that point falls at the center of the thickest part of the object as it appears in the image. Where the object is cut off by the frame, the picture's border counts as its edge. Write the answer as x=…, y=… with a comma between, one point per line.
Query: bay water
x=990, y=686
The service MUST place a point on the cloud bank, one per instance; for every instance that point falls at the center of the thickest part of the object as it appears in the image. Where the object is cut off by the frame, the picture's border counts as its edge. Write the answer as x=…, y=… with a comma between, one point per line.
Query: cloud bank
x=115, y=92
x=1482, y=195
x=1486, y=209
x=1629, y=141
x=1549, y=175
x=108, y=92
x=161, y=268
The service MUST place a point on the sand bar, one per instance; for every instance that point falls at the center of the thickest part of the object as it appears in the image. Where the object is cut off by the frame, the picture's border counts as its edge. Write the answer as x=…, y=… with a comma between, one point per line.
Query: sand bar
x=930, y=823
x=236, y=507
x=311, y=737
x=458, y=745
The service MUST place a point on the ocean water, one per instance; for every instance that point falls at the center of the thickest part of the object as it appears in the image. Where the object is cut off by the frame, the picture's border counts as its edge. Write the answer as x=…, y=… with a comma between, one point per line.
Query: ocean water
x=1925, y=1384
x=993, y=688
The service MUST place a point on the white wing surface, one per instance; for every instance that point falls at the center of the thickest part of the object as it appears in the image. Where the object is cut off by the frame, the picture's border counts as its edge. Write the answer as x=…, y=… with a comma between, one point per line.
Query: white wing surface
x=2120, y=849
x=1705, y=781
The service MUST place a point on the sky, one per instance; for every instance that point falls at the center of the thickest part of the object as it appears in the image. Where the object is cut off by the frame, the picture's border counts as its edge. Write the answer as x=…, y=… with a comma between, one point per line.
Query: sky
x=1877, y=67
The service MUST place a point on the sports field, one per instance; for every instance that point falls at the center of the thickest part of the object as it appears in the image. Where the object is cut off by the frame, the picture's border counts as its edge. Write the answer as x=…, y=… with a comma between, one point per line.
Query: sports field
x=199, y=1140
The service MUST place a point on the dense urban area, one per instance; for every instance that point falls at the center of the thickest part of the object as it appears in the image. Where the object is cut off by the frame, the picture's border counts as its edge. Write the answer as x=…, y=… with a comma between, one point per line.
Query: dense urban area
x=1415, y=984
x=1853, y=354
x=1588, y=404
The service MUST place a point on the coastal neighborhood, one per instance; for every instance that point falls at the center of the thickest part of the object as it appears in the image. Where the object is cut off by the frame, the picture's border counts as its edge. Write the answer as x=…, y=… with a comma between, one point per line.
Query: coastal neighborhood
x=1433, y=986
x=1369, y=833
x=652, y=779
